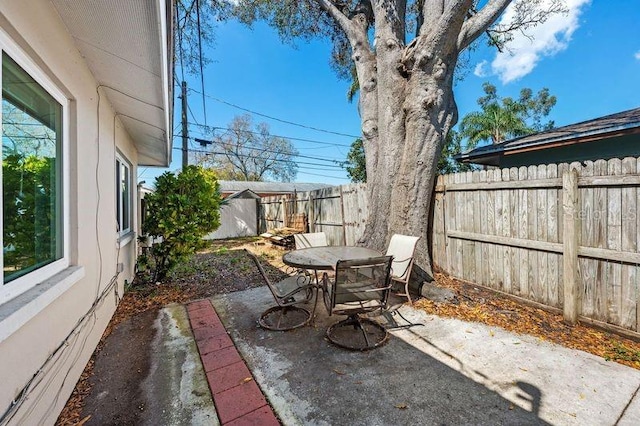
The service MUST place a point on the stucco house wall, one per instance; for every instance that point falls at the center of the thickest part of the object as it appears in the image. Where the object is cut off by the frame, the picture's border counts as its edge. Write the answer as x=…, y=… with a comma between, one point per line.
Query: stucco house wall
x=35, y=324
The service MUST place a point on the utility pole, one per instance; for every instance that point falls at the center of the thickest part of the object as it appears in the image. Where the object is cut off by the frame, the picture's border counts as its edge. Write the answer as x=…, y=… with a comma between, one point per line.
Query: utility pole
x=185, y=128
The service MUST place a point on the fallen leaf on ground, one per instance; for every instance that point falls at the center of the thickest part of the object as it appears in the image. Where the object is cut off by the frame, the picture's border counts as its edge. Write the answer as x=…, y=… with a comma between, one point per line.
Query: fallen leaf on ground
x=401, y=406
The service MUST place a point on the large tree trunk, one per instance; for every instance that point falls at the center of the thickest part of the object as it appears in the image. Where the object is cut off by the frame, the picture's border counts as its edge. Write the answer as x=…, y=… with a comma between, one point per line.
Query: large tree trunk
x=384, y=154
x=430, y=113
x=410, y=141
x=406, y=104
x=415, y=109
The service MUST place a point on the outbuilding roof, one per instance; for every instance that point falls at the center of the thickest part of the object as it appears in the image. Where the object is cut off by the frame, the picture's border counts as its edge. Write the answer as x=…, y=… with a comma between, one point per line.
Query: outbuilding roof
x=233, y=186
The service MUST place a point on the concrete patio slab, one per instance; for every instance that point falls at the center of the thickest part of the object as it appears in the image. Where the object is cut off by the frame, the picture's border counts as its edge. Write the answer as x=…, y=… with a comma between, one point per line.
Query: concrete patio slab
x=444, y=372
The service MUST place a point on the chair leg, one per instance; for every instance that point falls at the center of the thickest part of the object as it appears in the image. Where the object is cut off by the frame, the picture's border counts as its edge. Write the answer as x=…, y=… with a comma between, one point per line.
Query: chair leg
x=337, y=335
x=406, y=292
x=284, y=318
x=315, y=304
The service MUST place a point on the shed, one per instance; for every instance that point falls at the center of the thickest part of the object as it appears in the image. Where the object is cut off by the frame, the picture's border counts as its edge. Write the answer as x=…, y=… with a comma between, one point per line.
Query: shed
x=266, y=189
x=238, y=216
x=613, y=136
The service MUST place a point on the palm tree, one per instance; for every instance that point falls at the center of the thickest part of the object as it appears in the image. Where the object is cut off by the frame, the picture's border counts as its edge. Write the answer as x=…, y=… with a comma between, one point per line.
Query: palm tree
x=494, y=123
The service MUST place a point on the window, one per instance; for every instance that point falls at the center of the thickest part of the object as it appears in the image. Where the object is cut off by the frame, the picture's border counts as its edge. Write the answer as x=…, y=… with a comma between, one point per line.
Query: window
x=33, y=190
x=123, y=195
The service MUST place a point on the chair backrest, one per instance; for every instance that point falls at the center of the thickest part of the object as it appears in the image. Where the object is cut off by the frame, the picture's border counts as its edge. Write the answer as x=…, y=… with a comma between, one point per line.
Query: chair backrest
x=402, y=248
x=361, y=285
x=272, y=288
x=291, y=285
x=314, y=239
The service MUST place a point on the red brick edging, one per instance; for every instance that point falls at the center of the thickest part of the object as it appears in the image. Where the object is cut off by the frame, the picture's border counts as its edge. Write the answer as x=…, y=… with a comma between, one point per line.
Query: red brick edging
x=237, y=397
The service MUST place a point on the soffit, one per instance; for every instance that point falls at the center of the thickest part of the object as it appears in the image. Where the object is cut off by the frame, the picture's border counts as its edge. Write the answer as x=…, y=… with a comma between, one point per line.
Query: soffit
x=126, y=46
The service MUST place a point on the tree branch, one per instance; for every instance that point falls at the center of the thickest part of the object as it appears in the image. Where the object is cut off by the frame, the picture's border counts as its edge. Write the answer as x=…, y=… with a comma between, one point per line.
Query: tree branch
x=340, y=18
x=430, y=12
x=438, y=36
x=479, y=22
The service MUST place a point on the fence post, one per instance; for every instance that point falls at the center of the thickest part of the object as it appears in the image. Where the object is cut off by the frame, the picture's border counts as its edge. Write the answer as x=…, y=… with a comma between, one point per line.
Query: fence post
x=344, y=227
x=571, y=231
x=311, y=214
x=283, y=202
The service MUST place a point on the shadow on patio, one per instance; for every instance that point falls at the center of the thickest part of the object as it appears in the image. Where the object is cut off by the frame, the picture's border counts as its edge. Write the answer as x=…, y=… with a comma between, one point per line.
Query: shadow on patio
x=309, y=381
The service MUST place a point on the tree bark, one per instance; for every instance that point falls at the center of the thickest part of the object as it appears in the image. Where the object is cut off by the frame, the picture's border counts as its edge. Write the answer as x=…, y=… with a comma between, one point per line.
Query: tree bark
x=407, y=105
x=415, y=111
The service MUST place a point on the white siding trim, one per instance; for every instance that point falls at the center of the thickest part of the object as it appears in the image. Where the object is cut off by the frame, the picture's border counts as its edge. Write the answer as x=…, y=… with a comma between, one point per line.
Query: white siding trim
x=32, y=279
x=18, y=311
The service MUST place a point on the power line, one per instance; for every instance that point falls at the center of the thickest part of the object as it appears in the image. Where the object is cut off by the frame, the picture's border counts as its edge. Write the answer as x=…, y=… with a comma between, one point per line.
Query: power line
x=317, y=174
x=275, y=136
x=254, y=157
x=265, y=150
x=204, y=105
x=274, y=118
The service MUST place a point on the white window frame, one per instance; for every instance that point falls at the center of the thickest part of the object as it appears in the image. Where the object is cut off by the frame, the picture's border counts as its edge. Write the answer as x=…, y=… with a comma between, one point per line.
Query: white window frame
x=121, y=160
x=21, y=284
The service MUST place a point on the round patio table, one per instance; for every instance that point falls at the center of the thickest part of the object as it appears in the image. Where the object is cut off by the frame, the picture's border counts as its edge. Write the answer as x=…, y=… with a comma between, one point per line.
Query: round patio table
x=325, y=258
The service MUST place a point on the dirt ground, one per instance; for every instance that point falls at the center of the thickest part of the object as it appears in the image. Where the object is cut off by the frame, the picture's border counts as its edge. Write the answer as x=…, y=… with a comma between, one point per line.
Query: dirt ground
x=224, y=267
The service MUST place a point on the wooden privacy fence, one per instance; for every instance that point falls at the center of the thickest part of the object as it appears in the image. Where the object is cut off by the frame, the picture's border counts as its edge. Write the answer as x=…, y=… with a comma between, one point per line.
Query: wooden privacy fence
x=339, y=211
x=565, y=236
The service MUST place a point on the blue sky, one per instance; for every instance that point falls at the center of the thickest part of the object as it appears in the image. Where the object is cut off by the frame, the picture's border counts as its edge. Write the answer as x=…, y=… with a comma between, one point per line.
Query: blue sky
x=589, y=59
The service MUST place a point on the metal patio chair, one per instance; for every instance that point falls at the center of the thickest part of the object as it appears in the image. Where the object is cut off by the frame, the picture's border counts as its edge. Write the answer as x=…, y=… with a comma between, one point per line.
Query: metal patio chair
x=360, y=286
x=313, y=239
x=307, y=240
x=402, y=248
x=288, y=294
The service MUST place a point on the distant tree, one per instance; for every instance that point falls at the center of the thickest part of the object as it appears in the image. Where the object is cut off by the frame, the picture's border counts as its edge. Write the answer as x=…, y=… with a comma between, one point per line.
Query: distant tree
x=356, y=165
x=500, y=119
x=183, y=208
x=249, y=152
x=452, y=147
x=194, y=28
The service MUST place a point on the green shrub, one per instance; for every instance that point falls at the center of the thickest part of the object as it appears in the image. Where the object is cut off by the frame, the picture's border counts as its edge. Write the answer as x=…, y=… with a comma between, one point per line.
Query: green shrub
x=184, y=208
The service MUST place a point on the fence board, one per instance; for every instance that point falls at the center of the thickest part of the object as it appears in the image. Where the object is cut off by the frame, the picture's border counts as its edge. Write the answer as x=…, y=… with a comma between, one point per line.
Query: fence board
x=514, y=285
x=523, y=232
x=491, y=230
x=628, y=244
x=614, y=242
x=458, y=215
x=637, y=286
x=355, y=211
x=600, y=168
x=553, y=260
x=506, y=231
x=587, y=266
x=484, y=220
x=475, y=178
x=532, y=209
x=542, y=235
x=499, y=210
x=438, y=249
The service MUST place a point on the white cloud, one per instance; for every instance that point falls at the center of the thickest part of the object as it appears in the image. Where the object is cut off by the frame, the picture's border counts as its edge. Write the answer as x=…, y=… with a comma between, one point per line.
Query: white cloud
x=523, y=52
x=637, y=55
x=481, y=69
